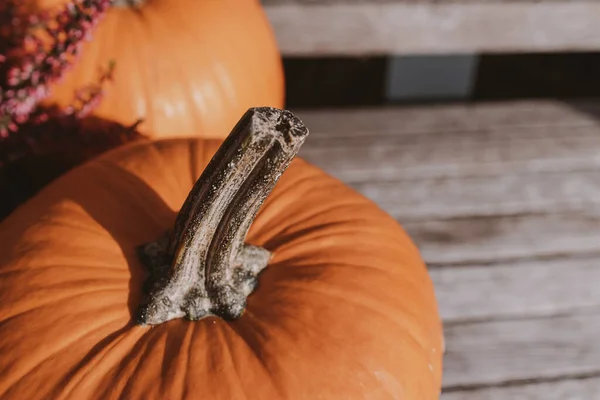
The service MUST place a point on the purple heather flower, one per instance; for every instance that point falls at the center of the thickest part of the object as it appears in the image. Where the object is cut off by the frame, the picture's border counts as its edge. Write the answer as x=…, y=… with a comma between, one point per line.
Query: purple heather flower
x=30, y=65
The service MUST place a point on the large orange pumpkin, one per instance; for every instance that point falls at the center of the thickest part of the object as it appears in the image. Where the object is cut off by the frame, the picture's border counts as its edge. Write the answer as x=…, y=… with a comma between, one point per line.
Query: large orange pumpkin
x=344, y=310
x=186, y=67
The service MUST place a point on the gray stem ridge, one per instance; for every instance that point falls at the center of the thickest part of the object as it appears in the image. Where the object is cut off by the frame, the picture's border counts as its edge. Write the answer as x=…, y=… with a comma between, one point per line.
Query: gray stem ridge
x=202, y=267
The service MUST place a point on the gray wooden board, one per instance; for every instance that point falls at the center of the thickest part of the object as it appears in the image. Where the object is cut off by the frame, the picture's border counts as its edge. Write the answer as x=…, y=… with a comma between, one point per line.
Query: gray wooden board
x=485, y=152
x=367, y=145
x=517, y=289
x=515, y=192
x=342, y=27
x=567, y=389
x=496, y=352
x=346, y=123
x=494, y=239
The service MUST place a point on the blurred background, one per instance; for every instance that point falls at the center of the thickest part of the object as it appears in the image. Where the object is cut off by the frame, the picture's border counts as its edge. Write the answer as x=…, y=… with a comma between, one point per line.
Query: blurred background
x=369, y=53
x=345, y=81
x=475, y=124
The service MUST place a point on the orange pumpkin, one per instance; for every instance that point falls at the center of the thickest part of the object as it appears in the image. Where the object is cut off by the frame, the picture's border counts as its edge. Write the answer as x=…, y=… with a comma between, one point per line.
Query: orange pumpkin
x=186, y=67
x=343, y=310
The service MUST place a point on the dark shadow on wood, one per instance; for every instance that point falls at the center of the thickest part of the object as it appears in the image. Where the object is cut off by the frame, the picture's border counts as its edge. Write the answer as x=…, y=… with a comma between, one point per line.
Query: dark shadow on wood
x=587, y=107
x=334, y=81
x=543, y=75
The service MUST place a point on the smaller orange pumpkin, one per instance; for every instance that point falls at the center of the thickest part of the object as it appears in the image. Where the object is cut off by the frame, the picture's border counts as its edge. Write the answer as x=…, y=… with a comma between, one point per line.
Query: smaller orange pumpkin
x=184, y=67
x=343, y=310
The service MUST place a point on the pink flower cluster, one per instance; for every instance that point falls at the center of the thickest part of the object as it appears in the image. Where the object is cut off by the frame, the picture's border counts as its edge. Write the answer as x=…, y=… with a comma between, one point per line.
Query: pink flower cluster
x=36, y=51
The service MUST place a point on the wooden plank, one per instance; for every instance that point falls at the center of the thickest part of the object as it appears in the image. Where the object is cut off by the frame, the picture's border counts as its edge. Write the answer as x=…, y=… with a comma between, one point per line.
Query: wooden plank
x=453, y=141
x=567, y=389
x=517, y=289
x=341, y=27
x=509, y=194
x=360, y=122
x=500, y=352
x=488, y=152
x=473, y=240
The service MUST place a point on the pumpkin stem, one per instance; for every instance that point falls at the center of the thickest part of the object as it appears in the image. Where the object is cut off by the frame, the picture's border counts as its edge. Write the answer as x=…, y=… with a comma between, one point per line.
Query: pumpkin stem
x=202, y=267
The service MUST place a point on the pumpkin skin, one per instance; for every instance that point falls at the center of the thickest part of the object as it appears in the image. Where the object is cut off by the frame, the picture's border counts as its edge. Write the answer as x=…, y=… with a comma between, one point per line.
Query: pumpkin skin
x=186, y=67
x=345, y=308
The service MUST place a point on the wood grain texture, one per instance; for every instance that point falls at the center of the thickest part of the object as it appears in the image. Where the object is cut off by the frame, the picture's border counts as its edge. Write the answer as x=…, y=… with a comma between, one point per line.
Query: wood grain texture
x=567, y=389
x=498, y=352
x=503, y=199
x=472, y=184
x=346, y=123
x=517, y=289
x=446, y=141
x=342, y=27
x=515, y=192
x=487, y=152
x=472, y=240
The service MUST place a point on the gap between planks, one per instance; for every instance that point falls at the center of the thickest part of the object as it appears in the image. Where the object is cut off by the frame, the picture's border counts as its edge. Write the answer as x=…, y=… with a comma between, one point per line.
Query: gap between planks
x=576, y=388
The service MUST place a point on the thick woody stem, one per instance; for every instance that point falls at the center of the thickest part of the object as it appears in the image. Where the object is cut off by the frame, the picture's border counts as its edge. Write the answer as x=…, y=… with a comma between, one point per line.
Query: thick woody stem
x=203, y=267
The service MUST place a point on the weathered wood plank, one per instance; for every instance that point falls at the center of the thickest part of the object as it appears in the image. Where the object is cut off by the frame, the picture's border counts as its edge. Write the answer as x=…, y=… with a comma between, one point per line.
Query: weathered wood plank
x=474, y=240
x=453, y=142
x=497, y=352
x=344, y=123
x=517, y=289
x=486, y=152
x=425, y=27
x=514, y=193
x=568, y=389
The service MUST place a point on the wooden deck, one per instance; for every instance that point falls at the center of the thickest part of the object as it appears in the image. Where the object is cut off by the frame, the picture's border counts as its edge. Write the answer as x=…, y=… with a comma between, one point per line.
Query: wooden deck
x=358, y=27
x=504, y=202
